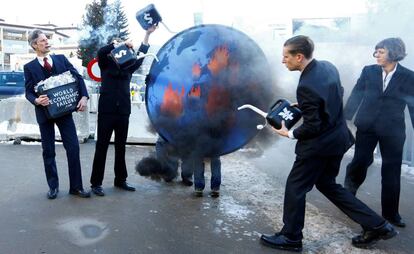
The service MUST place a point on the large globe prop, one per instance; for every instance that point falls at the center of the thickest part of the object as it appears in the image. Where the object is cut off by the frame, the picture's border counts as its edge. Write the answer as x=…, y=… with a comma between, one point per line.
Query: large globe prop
x=204, y=73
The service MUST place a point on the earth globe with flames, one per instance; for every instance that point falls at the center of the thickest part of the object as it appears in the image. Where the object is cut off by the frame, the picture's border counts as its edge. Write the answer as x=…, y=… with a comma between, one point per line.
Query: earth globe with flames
x=203, y=75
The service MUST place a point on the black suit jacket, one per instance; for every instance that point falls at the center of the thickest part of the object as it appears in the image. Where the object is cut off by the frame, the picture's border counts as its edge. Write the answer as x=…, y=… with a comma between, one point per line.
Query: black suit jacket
x=115, y=87
x=319, y=94
x=382, y=111
x=34, y=72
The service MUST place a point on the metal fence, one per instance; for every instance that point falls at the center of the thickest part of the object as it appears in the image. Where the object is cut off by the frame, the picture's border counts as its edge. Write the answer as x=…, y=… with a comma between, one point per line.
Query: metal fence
x=408, y=153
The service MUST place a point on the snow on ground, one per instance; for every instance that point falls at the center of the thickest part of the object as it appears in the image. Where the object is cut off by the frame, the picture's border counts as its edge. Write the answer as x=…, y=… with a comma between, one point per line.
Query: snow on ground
x=407, y=172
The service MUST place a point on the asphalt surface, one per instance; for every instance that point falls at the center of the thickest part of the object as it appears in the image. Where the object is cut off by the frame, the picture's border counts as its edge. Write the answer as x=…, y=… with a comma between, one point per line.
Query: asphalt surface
x=168, y=218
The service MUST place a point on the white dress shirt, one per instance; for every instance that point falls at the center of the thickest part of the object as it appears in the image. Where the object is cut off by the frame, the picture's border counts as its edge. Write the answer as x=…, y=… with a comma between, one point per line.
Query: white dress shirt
x=290, y=134
x=387, y=77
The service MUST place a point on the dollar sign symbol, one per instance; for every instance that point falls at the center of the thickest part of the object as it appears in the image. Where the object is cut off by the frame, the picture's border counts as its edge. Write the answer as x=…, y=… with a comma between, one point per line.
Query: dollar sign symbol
x=148, y=18
x=120, y=54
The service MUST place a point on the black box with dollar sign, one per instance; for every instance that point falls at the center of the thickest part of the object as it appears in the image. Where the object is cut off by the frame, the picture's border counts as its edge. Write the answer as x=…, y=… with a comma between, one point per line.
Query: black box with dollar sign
x=282, y=110
x=148, y=17
x=123, y=56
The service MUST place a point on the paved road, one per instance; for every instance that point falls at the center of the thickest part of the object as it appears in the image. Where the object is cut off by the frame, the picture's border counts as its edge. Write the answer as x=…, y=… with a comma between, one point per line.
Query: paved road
x=167, y=218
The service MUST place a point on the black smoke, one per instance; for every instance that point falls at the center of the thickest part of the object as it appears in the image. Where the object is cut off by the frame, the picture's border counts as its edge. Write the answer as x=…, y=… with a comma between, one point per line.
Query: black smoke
x=155, y=169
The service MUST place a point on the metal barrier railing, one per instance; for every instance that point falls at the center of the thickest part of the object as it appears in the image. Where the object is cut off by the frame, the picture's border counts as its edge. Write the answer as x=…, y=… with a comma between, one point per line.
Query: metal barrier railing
x=408, y=152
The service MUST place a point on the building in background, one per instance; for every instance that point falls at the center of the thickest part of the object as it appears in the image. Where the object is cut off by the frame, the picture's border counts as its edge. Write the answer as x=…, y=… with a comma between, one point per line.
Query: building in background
x=15, y=50
x=198, y=18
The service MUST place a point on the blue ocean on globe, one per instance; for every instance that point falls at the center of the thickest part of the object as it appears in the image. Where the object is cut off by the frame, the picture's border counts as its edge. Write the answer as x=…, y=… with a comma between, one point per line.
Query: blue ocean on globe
x=203, y=75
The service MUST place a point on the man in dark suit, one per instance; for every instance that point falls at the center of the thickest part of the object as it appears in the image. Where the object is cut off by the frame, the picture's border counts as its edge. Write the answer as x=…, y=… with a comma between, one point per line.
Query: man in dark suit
x=39, y=69
x=379, y=99
x=114, y=108
x=323, y=138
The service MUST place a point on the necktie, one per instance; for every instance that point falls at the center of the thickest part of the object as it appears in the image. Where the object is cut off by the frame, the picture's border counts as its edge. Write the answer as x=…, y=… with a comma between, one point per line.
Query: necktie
x=47, y=65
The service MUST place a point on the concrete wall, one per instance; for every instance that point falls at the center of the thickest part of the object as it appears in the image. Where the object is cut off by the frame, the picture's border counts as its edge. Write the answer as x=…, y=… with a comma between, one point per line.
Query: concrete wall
x=18, y=120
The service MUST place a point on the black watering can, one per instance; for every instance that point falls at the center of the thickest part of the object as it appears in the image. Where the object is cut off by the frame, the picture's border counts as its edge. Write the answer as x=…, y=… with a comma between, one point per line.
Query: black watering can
x=280, y=111
x=149, y=16
x=125, y=57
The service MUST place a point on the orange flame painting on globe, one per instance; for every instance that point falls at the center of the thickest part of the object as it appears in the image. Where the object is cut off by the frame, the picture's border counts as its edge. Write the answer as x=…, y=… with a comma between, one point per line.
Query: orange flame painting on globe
x=218, y=99
x=172, y=103
x=196, y=70
x=195, y=91
x=219, y=61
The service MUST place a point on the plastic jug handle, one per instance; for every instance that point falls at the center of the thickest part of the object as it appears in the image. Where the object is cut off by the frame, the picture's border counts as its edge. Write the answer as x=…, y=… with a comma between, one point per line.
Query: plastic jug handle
x=276, y=104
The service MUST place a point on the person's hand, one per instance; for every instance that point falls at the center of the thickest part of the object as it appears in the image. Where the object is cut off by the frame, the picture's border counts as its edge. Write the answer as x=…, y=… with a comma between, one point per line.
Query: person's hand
x=42, y=100
x=294, y=104
x=129, y=44
x=82, y=104
x=151, y=29
x=148, y=33
x=283, y=131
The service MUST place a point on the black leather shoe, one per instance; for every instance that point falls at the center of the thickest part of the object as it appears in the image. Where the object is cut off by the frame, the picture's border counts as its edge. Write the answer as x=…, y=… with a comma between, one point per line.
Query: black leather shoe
x=369, y=237
x=398, y=223
x=80, y=193
x=281, y=242
x=98, y=191
x=52, y=193
x=187, y=182
x=125, y=186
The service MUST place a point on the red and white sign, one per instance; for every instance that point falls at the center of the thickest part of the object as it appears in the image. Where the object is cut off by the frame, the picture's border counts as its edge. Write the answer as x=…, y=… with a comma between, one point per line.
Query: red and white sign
x=94, y=71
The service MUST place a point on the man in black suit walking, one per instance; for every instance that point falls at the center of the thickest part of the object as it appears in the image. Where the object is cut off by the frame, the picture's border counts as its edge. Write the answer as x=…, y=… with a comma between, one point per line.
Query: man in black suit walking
x=44, y=66
x=379, y=99
x=323, y=138
x=114, y=108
